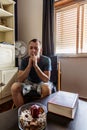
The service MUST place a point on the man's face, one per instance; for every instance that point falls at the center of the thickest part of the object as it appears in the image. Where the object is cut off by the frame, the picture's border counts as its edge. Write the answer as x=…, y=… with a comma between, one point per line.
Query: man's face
x=34, y=49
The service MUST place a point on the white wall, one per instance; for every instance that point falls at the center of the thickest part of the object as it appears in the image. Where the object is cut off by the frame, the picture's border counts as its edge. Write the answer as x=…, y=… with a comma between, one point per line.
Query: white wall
x=30, y=19
x=74, y=75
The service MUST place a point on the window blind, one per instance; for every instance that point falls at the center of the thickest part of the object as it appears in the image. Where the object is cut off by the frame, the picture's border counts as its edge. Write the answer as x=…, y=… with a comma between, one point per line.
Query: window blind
x=85, y=30
x=71, y=29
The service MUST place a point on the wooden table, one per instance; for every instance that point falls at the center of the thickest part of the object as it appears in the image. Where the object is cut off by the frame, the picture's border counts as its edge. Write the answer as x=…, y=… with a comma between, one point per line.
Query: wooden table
x=9, y=119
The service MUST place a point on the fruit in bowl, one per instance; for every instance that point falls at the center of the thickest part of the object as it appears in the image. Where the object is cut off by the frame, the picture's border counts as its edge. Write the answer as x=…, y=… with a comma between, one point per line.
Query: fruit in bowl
x=35, y=111
x=32, y=116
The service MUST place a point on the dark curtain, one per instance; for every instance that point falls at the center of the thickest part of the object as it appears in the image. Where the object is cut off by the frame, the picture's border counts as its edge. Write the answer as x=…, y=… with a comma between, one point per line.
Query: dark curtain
x=16, y=25
x=48, y=27
x=16, y=30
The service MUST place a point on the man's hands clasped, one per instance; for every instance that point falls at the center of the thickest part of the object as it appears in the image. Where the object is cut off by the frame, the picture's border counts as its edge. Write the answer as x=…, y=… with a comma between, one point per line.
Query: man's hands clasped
x=33, y=61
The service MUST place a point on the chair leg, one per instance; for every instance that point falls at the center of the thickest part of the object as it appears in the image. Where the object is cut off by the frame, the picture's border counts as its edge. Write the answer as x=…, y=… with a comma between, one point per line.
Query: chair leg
x=13, y=106
x=59, y=75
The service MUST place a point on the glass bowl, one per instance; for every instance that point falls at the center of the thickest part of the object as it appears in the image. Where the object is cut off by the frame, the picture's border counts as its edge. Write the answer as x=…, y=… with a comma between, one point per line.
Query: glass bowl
x=27, y=122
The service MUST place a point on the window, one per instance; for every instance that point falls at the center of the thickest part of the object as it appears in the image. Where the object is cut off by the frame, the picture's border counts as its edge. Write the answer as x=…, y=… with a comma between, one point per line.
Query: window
x=71, y=28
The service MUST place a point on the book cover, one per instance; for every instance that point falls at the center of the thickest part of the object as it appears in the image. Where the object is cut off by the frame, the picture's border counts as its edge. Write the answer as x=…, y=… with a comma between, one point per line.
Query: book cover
x=63, y=103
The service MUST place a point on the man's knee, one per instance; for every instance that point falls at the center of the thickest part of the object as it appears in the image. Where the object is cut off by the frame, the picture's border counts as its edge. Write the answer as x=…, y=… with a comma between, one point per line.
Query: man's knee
x=15, y=87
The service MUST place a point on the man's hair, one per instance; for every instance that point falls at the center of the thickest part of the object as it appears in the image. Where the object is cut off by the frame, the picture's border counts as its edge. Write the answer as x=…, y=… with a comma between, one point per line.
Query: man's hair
x=34, y=40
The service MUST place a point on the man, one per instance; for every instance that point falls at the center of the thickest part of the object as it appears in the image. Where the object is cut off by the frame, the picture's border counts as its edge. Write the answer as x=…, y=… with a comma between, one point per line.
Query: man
x=34, y=74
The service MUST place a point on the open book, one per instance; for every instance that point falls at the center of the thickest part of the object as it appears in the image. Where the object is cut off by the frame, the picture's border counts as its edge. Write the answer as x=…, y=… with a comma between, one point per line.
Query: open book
x=63, y=103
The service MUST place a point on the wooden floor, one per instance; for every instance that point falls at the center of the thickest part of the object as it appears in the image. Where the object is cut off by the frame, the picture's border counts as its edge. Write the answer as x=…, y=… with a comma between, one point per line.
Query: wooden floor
x=6, y=106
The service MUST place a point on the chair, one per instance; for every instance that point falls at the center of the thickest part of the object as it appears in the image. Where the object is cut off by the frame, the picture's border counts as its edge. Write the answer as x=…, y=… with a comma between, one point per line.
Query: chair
x=54, y=73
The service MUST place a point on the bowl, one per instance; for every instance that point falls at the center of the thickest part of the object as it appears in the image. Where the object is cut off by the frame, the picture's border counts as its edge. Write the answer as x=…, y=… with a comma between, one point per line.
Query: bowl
x=29, y=119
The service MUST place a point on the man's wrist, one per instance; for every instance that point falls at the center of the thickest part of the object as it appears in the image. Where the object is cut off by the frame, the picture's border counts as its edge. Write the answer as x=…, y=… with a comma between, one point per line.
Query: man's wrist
x=35, y=66
x=30, y=65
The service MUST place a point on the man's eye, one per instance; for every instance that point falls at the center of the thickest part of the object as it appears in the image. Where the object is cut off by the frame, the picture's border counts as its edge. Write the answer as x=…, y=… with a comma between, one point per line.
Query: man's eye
x=35, y=48
x=31, y=47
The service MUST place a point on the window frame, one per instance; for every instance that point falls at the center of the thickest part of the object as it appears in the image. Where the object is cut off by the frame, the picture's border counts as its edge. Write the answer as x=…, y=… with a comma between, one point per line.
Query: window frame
x=65, y=3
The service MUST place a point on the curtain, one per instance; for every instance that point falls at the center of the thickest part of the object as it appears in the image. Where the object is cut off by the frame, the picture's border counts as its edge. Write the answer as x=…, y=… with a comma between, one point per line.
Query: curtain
x=48, y=27
x=16, y=25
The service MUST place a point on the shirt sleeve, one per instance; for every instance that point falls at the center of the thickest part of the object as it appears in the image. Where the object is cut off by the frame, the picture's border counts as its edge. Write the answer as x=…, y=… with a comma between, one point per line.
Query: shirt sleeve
x=48, y=66
x=23, y=64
